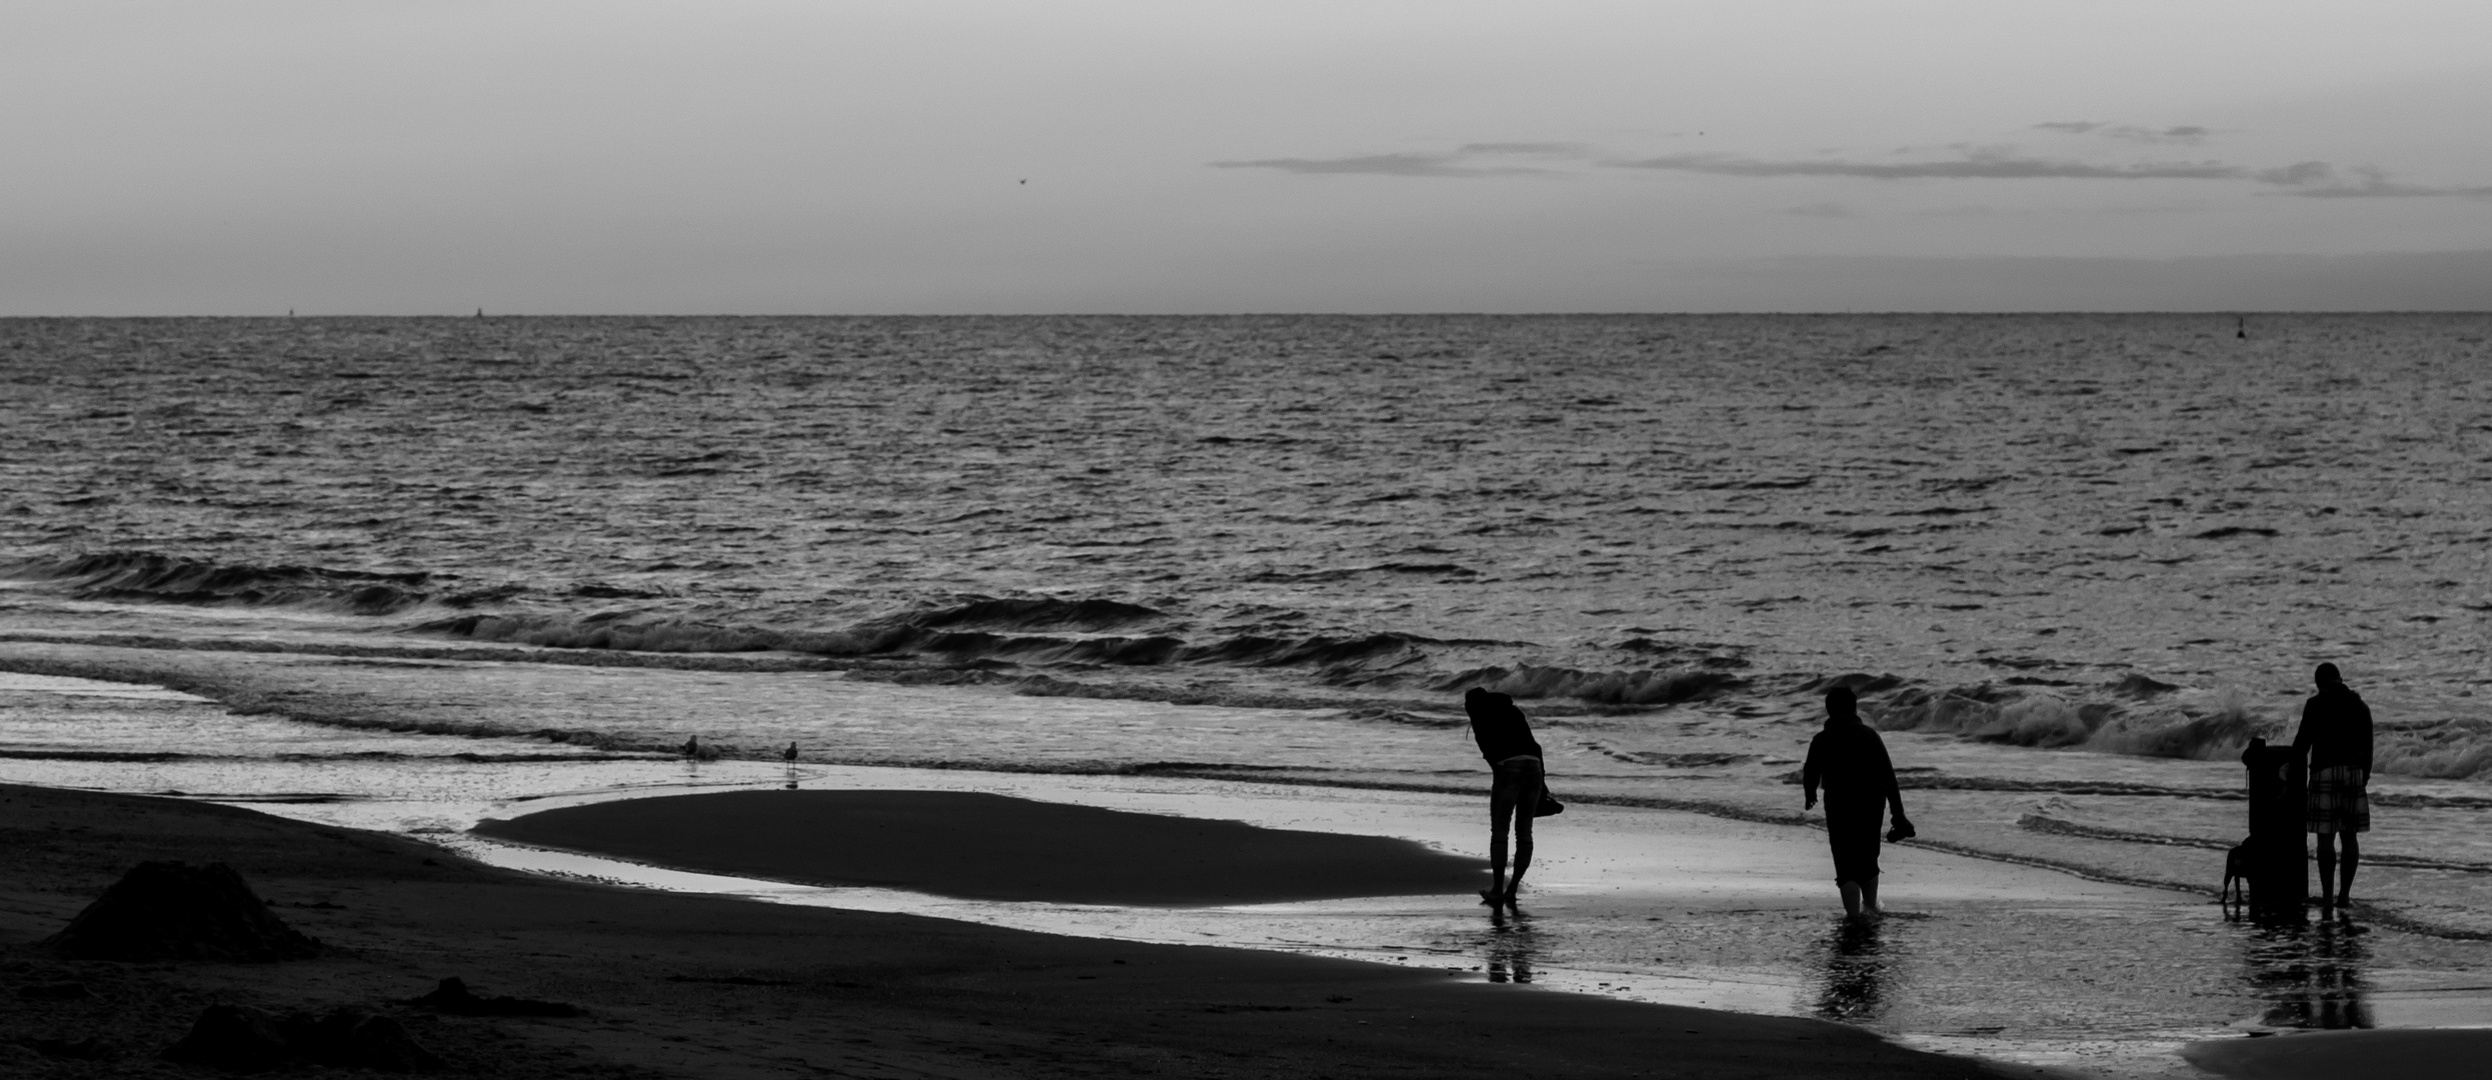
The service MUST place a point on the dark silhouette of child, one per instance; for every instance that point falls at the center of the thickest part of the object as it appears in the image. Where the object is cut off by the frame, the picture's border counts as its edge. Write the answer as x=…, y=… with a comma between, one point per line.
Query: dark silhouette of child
x=2336, y=733
x=1849, y=761
x=1514, y=758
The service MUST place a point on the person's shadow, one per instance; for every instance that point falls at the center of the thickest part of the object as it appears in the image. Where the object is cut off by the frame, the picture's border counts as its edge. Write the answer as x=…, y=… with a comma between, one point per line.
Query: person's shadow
x=2311, y=976
x=1510, y=946
x=1853, y=972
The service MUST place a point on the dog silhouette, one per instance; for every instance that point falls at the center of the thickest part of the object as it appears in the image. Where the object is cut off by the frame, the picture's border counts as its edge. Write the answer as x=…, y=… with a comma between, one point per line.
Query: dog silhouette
x=2236, y=887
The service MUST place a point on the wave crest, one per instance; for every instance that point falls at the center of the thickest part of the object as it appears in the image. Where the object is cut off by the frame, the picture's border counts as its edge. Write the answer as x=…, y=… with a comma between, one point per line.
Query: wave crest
x=1030, y=613
x=149, y=576
x=1642, y=687
x=2217, y=730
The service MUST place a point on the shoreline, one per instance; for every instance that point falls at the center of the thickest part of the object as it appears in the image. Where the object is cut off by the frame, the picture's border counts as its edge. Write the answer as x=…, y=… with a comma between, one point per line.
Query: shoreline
x=668, y=982
x=1938, y=986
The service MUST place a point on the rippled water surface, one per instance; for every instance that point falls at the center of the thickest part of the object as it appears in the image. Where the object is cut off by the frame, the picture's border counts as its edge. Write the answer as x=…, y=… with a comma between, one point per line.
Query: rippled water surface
x=1952, y=498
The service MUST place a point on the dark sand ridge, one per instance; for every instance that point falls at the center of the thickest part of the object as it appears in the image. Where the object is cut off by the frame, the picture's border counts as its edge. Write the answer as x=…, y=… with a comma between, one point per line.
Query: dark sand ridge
x=705, y=986
x=992, y=847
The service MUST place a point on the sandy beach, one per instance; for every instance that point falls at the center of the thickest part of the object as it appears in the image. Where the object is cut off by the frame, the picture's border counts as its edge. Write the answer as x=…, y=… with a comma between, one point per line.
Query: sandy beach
x=673, y=985
x=1630, y=905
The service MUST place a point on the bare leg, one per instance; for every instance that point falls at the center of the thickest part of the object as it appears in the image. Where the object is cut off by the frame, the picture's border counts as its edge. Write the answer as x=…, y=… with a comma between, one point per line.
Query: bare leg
x=2327, y=869
x=1522, y=843
x=1851, y=898
x=1500, y=812
x=2345, y=878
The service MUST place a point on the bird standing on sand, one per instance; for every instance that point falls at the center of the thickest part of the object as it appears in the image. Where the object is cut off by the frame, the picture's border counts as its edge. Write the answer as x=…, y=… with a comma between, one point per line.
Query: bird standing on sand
x=791, y=753
x=692, y=747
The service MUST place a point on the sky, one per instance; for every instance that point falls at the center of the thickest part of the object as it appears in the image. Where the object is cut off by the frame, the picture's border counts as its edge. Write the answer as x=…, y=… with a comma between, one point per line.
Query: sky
x=1098, y=156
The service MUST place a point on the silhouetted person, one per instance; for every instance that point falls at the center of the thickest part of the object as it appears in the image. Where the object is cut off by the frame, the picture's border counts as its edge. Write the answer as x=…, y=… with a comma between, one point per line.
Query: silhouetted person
x=2336, y=733
x=1850, y=761
x=1505, y=739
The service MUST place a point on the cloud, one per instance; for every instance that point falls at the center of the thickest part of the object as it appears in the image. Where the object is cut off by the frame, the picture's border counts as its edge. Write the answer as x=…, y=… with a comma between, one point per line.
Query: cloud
x=2303, y=179
x=2187, y=134
x=2187, y=206
x=1982, y=164
x=1541, y=149
x=2320, y=180
x=1433, y=165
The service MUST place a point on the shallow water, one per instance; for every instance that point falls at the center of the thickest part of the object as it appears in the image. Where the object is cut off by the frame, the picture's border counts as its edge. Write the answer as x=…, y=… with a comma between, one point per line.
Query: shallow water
x=1649, y=904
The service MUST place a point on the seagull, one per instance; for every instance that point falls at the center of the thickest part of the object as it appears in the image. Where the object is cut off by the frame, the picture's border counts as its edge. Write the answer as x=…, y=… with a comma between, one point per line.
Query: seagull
x=692, y=747
x=791, y=753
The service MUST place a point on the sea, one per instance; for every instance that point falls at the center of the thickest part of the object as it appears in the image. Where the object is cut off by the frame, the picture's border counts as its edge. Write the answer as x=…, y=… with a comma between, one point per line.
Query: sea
x=407, y=573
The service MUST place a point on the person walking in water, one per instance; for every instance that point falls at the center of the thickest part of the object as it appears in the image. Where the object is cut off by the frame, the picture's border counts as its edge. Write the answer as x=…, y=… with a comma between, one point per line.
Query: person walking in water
x=2336, y=733
x=1849, y=761
x=1514, y=758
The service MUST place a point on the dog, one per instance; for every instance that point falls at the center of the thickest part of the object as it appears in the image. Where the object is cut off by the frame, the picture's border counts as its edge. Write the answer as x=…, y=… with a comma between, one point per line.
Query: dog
x=2236, y=887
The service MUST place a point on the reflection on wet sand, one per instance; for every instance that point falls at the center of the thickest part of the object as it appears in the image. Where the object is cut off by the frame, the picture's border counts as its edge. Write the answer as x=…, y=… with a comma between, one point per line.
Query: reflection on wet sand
x=1854, y=973
x=1509, y=946
x=2310, y=975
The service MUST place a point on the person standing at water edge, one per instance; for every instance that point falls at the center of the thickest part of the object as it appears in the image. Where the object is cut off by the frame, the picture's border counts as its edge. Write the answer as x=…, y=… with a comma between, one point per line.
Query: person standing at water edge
x=2336, y=733
x=1514, y=757
x=1850, y=761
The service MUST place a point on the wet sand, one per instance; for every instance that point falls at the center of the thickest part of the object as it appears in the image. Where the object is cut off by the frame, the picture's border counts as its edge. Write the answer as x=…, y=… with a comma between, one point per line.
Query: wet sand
x=676, y=985
x=2336, y=1055
x=993, y=847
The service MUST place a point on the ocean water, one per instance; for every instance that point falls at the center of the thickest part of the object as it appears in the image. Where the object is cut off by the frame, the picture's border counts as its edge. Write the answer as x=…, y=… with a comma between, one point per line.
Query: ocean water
x=2073, y=563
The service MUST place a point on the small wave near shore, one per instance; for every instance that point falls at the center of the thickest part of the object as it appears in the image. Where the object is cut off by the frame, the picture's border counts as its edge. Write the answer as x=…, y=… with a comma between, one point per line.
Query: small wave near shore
x=1109, y=648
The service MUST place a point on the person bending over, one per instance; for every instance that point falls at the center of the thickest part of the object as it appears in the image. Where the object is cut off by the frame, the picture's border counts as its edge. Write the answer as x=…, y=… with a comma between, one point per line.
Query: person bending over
x=1850, y=761
x=1514, y=758
x=2336, y=733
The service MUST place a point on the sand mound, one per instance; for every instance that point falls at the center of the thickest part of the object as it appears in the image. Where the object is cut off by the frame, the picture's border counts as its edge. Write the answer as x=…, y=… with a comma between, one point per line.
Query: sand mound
x=176, y=911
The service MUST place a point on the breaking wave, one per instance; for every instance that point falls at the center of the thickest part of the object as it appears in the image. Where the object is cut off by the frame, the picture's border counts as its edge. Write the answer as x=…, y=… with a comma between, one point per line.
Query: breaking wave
x=147, y=576
x=1108, y=648
x=1640, y=687
x=2143, y=717
x=979, y=634
x=2130, y=718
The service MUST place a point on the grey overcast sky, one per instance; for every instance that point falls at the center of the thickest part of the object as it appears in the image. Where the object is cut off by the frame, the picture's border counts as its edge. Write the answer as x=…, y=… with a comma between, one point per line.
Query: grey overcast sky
x=435, y=156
